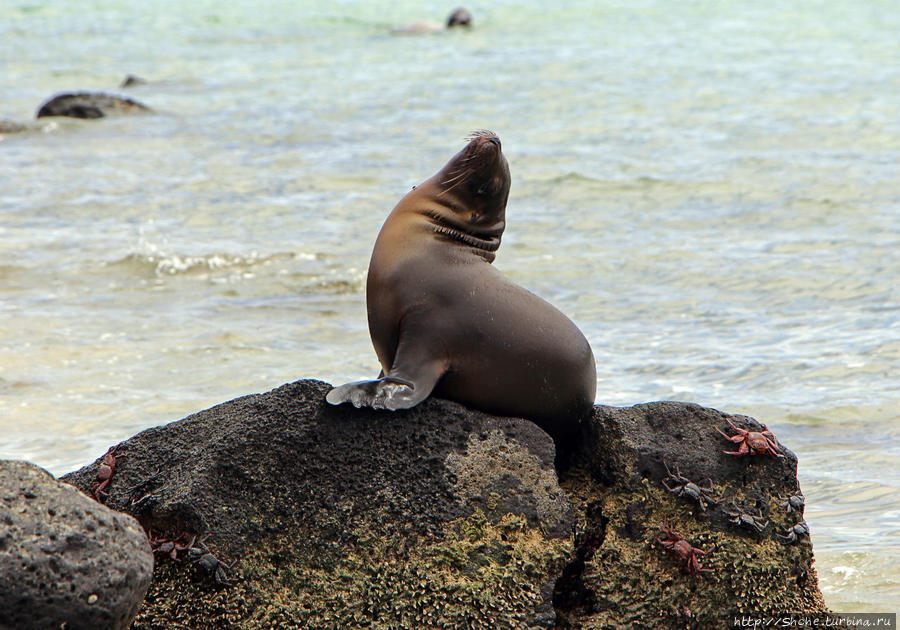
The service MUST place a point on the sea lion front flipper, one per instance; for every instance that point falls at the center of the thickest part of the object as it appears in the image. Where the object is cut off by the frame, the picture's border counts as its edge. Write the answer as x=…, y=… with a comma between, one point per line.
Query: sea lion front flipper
x=383, y=393
x=356, y=393
x=410, y=380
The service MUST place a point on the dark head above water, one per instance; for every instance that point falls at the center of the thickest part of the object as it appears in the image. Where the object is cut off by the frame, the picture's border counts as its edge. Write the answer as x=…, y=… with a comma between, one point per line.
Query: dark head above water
x=443, y=320
x=459, y=17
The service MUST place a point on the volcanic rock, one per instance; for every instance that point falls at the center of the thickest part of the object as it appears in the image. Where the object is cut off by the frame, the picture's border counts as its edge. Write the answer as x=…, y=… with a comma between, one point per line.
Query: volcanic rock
x=444, y=517
x=65, y=560
x=336, y=517
x=622, y=576
x=89, y=105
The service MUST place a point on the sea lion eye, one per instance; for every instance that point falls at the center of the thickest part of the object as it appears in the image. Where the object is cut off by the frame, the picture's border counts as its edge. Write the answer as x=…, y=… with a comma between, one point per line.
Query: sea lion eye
x=489, y=187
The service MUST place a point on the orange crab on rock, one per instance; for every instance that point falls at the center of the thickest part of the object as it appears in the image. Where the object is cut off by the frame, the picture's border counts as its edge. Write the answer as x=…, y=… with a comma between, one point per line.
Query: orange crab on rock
x=687, y=554
x=752, y=442
x=104, y=473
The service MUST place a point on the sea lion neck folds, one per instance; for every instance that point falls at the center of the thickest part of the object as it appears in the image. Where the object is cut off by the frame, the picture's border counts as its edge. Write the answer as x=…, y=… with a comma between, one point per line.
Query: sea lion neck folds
x=443, y=320
x=485, y=242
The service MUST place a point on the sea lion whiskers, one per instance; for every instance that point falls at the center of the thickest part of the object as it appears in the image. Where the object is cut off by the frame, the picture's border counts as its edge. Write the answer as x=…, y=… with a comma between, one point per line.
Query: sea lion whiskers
x=464, y=160
x=456, y=179
x=480, y=133
x=456, y=176
x=473, y=160
x=462, y=171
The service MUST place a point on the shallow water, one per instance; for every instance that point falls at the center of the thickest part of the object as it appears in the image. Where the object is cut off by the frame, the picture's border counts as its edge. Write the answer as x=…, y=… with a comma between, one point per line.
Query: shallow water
x=711, y=193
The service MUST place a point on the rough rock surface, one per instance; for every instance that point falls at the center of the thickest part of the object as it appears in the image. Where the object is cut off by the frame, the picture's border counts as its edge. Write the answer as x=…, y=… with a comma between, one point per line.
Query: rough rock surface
x=442, y=517
x=620, y=575
x=333, y=517
x=65, y=560
x=89, y=105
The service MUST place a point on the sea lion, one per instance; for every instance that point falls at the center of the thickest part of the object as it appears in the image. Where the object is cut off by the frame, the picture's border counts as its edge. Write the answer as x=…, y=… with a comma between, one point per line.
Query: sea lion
x=443, y=320
x=459, y=17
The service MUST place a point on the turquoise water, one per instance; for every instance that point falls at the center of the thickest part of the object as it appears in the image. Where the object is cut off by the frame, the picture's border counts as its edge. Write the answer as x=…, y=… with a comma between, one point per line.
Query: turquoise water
x=710, y=191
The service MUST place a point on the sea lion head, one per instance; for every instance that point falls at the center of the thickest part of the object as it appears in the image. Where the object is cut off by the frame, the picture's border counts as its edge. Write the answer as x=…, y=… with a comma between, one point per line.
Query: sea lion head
x=459, y=17
x=469, y=195
x=475, y=182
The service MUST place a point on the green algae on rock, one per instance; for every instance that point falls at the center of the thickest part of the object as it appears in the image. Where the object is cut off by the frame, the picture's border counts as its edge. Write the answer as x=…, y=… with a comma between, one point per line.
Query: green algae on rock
x=475, y=574
x=627, y=578
x=441, y=517
x=436, y=517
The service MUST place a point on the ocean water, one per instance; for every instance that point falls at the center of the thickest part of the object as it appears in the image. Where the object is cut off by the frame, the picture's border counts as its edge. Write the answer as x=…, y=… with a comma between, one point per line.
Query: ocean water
x=710, y=190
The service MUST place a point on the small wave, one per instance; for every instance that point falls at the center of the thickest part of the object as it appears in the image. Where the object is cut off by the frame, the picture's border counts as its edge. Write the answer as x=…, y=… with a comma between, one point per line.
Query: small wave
x=574, y=177
x=334, y=286
x=13, y=128
x=301, y=272
x=175, y=264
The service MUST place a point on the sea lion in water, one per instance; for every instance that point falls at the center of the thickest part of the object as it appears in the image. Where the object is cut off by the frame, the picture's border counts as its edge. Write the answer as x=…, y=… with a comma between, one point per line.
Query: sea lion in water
x=459, y=17
x=443, y=320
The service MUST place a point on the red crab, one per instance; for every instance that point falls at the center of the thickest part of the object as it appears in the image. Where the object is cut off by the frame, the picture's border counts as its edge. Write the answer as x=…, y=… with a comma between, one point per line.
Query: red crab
x=104, y=473
x=752, y=442
x=687, y=553
x=169, y=546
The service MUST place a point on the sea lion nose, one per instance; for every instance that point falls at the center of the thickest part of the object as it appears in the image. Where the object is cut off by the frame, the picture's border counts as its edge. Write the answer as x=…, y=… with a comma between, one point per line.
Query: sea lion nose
x=494, y=140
